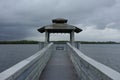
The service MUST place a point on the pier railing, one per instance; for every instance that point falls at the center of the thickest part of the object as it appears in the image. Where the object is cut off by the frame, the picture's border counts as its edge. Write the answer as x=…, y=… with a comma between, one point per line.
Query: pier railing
x=89, y=69
x=30, y=68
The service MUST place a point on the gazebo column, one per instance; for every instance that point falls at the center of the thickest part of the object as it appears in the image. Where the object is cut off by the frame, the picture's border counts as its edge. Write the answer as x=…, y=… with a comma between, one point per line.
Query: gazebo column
x=72, y=37
x=47, y=37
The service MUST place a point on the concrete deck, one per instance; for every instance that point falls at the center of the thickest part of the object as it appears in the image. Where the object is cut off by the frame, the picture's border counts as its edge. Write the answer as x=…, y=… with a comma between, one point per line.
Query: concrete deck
x=59, y=67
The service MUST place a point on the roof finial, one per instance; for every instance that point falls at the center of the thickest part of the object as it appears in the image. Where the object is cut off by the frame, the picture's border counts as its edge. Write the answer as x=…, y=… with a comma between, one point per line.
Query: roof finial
x=59, y=20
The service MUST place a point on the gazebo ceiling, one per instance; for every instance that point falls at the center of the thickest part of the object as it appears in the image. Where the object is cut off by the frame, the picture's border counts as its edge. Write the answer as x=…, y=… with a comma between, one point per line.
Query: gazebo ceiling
x=59, y=25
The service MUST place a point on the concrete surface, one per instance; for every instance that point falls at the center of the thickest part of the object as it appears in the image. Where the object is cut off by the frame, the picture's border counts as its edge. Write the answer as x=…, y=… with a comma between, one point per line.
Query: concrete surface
x=59, y=67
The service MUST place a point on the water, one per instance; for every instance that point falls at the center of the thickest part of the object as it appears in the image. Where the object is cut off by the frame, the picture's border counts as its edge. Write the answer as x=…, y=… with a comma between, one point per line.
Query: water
x=12, y=54
x=108, y=54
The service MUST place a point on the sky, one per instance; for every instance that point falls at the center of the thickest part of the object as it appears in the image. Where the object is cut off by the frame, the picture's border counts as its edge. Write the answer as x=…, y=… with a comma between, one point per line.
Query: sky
x=99, y=19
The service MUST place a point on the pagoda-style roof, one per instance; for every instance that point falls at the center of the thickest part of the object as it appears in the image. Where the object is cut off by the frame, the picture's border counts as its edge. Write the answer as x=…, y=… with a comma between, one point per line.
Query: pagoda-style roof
x=59, y=25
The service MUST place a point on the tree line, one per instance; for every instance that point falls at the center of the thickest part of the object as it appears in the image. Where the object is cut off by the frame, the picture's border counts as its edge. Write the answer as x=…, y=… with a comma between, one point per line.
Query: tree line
x=93, y=42
x=36, y=42
x=19, y=42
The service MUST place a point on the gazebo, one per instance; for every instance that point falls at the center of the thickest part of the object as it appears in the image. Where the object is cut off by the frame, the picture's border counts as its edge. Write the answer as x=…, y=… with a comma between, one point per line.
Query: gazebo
x=59, y=25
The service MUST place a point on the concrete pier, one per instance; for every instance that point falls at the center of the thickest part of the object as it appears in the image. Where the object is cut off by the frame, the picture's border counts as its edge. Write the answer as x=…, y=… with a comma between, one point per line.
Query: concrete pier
x=59, y=62
x=59, y=67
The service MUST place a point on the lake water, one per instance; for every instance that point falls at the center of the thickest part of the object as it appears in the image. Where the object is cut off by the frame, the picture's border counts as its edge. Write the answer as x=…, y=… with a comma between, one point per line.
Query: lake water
x=12, y=54
x=108, y=54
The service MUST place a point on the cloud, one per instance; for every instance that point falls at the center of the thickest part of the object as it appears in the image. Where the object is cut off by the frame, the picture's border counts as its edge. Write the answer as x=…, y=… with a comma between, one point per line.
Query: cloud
x=91, y=33
x=20, y=17
x=36, y=11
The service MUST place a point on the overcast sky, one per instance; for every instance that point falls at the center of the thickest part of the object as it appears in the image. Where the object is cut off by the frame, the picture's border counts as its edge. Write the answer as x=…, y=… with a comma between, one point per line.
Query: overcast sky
x=99, y=19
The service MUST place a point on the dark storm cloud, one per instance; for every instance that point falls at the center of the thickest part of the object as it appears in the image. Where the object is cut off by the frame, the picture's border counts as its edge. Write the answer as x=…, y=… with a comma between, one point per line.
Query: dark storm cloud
x=13, y=33
x=34, y=11
x=19, y=17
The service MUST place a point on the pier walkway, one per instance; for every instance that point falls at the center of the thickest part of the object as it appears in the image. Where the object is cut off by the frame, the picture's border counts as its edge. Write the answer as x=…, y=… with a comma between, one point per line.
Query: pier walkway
x=59, y=67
